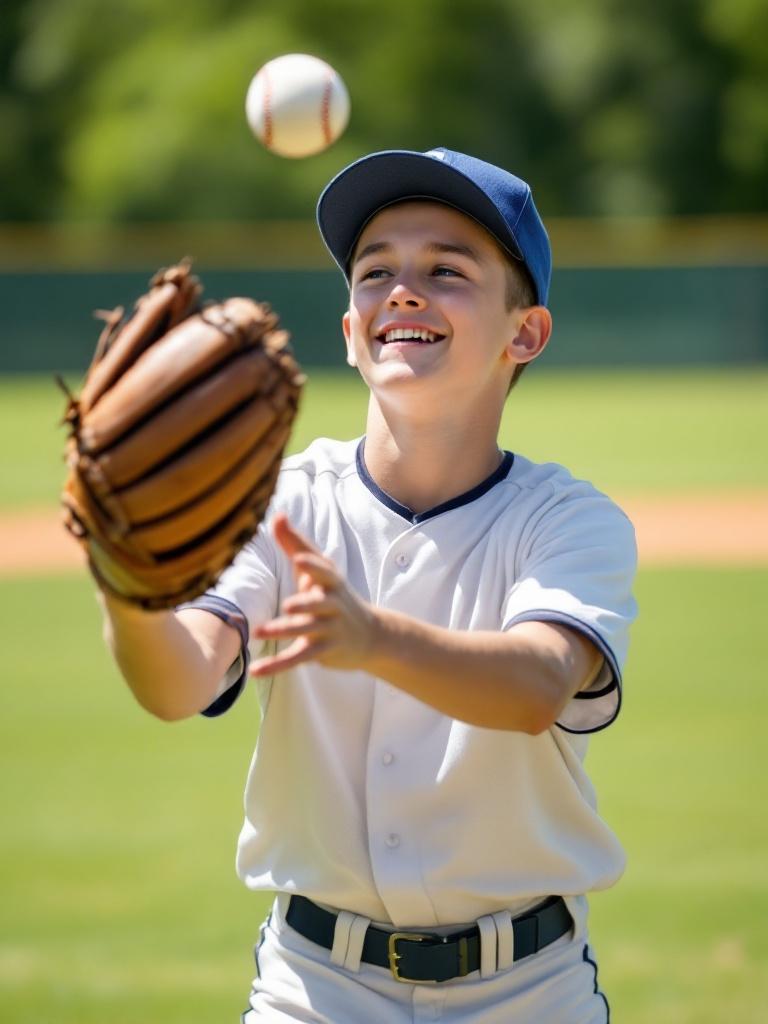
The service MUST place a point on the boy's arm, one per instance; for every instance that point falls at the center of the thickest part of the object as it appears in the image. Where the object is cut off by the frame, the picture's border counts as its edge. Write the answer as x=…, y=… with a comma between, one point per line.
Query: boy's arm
x=518, y=680
x=173, y=661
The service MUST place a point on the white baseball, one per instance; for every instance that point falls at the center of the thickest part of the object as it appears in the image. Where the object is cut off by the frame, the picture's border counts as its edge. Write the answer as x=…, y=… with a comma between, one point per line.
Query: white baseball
x=297, y=105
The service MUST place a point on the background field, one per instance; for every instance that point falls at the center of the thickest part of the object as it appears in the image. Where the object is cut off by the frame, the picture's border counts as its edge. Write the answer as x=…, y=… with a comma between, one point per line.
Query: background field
x=120, y=901
x=670, y=430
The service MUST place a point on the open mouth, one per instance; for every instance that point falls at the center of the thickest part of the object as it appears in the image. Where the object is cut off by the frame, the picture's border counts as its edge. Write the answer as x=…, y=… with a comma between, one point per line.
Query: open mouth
x=418, y=335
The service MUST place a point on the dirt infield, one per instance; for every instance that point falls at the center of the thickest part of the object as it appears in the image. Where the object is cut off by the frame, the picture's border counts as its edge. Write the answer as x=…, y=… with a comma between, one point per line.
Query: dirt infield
x=692, y=529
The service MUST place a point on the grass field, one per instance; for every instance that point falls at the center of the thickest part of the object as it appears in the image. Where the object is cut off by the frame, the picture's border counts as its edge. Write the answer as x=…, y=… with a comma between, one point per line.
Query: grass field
x=120, y=902
x=120, y=899
x=637, y=430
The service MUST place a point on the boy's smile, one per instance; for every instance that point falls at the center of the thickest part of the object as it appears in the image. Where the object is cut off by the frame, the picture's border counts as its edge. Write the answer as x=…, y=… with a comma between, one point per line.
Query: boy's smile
x=407, y=332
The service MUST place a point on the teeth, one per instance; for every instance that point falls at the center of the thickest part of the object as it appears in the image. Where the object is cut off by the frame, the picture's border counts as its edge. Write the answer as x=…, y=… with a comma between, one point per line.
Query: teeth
x=409, y=333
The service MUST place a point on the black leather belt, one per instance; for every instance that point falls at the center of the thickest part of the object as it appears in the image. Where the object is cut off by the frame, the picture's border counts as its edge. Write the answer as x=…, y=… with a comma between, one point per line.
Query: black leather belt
x=415, y=957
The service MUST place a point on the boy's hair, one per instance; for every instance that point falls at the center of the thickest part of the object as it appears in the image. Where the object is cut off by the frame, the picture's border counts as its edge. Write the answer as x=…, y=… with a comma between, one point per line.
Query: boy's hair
x=519, y=294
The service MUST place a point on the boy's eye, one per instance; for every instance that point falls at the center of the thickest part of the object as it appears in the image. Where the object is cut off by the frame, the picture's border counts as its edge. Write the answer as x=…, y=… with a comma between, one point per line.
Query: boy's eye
x=374, y=272
x=447, y=272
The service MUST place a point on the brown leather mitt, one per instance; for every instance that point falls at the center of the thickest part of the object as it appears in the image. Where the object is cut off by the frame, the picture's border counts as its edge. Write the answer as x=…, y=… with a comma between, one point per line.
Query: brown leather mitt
x=176, y=439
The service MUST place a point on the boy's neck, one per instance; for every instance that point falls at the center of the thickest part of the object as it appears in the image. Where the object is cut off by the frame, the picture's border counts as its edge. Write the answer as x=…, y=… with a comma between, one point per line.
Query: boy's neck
x=425, y=463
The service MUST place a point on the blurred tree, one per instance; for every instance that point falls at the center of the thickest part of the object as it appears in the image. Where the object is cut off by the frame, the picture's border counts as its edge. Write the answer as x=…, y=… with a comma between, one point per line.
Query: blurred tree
x=129, y=111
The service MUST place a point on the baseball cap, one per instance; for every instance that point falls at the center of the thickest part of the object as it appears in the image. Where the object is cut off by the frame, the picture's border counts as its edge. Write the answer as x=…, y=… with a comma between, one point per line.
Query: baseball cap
x=501, y=202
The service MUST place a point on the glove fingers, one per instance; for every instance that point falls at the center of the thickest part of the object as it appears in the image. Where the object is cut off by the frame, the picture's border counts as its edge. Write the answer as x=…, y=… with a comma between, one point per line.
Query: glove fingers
x=174, y=426
x=184, y=575
x=159, y=545
x=193, y=521
x=188, y=352
x=149, y=322
x=198, y=469
x=87, y=520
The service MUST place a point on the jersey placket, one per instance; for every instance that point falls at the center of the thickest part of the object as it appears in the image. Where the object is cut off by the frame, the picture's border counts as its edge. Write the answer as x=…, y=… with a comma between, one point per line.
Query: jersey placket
x=393, y=767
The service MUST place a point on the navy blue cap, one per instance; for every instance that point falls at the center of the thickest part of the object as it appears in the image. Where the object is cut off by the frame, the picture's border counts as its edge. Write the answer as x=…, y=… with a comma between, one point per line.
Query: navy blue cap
x=496, y=199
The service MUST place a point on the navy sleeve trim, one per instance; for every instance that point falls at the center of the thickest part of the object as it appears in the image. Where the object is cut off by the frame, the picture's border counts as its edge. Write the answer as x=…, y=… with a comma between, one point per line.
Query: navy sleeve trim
x=563, y=619
x=231, y=614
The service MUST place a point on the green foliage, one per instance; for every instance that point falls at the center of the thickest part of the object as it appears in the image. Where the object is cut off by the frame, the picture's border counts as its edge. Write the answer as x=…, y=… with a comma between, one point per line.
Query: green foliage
x=128, y=111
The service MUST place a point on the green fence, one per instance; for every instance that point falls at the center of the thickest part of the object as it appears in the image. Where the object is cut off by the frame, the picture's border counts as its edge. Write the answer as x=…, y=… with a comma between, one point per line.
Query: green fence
x=619, y=316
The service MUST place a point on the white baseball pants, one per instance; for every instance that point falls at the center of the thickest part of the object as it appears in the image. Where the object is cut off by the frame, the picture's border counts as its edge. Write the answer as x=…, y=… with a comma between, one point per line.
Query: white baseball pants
x=299, y=981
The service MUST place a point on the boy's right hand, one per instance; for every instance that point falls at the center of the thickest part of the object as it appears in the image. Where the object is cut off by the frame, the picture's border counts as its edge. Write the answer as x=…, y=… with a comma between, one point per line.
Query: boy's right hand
x=325, y=619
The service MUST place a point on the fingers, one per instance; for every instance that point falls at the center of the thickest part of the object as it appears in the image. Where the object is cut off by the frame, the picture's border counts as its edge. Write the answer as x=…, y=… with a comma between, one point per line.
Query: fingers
x=318, y=569
x=307, y=617
x=309, y=564
x=286, y=626
x=314, y=601
x=290, y=540
x=301, y=650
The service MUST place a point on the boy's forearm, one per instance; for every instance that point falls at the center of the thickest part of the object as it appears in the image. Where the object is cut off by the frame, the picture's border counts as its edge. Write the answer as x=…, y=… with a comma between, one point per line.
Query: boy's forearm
x=160, y=655
x=519, y=680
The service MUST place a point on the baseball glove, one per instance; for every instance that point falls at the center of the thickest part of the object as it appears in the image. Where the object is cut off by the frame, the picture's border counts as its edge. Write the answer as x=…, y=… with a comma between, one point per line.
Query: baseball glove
x=176, y=439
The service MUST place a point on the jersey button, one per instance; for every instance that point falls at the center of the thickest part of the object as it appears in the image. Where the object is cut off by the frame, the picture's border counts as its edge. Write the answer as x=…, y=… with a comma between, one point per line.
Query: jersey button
x=393, y=840
x=387, y=757
x=402, y=560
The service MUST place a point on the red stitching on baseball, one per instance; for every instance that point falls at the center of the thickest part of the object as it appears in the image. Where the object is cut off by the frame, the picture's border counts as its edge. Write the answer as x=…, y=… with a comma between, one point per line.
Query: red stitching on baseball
x=267, y=109
x=325, y=107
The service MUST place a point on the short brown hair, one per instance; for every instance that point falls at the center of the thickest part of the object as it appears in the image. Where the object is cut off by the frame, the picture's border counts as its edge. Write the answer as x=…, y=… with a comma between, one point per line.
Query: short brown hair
x=520, y=293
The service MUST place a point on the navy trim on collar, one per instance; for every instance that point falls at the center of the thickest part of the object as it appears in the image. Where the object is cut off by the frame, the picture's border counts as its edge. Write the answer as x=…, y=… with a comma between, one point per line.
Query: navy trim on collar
x=419, y=517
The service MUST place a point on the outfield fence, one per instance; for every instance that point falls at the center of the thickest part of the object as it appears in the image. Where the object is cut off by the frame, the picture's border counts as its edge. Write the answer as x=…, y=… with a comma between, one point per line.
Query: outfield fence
x=629, y=292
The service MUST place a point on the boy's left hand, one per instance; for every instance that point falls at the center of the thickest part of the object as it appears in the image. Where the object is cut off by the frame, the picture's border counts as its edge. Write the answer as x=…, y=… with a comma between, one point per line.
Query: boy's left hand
x=326, y=620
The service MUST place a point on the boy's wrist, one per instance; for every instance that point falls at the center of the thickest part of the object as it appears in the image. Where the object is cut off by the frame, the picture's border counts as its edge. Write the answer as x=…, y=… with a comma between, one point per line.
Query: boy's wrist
x=391, y=646
x=380, y=641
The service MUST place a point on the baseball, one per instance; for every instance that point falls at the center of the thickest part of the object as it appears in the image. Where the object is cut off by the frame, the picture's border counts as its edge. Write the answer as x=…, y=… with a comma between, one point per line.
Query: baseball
x=297, y=105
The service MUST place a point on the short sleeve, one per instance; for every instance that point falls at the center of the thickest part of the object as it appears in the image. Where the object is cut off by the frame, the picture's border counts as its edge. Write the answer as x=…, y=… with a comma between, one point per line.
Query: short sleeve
x=576, y=565
x=245, y=595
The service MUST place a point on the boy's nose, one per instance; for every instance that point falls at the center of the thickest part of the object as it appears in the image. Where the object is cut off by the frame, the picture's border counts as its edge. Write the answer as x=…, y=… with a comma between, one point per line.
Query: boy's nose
x=404, y=296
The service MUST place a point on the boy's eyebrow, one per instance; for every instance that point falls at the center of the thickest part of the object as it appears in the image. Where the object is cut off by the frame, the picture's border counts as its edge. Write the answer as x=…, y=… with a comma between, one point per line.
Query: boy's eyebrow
x=371, y=249
x=455, y=248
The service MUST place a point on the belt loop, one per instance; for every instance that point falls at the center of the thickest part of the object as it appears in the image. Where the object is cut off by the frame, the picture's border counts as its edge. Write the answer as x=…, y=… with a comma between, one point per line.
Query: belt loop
x=341, y=932
x=487, y=928
x=505, y=940
x=348, y=938
x=280, y=908
x=356, y=940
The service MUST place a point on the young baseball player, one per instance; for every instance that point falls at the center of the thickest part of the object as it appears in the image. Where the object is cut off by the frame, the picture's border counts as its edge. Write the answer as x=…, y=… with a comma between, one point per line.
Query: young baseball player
x=435, y=626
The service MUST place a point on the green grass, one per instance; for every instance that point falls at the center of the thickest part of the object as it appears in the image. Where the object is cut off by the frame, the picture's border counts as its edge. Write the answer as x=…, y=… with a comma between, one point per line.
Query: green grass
x=625, y=430
x=682, y=940
x=120, y=901
x=118, y=836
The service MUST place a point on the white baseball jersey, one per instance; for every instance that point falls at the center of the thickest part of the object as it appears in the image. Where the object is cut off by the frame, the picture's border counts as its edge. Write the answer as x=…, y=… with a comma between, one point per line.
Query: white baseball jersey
x=361, y=797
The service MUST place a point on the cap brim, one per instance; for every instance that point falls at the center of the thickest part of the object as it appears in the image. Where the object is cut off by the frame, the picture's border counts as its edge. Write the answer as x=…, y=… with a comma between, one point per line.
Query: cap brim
x=381, y=179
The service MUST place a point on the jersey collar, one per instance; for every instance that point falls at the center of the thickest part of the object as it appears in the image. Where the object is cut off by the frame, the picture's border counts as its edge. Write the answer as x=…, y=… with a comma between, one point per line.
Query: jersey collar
x=419, y=517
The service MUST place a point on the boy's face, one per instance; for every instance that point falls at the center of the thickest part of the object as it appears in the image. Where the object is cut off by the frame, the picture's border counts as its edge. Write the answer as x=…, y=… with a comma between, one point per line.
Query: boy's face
x=424, y=267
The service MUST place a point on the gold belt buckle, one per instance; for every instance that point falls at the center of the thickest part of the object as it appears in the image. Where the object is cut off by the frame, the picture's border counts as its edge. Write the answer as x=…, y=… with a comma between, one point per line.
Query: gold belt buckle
x=395, y=957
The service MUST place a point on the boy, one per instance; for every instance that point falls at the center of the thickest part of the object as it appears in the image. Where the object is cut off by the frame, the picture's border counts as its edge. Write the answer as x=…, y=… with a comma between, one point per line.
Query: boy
x=436, y=626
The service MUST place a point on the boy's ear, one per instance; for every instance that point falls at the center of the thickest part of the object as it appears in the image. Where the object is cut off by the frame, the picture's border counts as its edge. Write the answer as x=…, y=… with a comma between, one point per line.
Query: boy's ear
x=530, y=334
x=351, y=361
